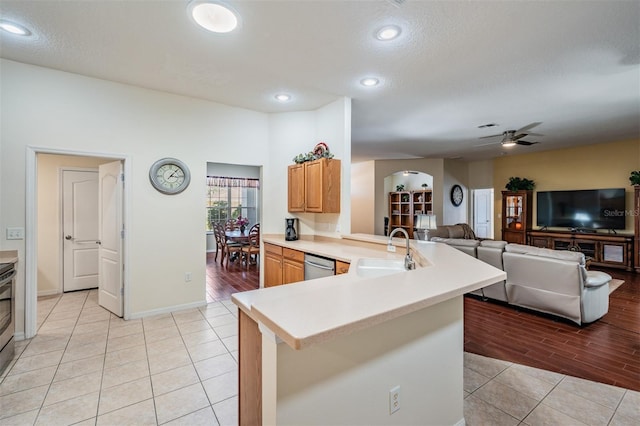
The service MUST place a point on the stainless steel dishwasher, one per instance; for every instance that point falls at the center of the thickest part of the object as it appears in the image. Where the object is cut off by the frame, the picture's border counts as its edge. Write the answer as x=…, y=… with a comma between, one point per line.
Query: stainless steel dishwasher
x=318, y=267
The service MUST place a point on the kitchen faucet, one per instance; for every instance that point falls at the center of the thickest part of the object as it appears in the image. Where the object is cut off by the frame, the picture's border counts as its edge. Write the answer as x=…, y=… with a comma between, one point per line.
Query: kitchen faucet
x=408, y=260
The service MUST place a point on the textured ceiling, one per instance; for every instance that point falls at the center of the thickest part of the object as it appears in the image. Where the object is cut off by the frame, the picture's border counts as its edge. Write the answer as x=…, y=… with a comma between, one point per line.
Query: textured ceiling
x=572, y=66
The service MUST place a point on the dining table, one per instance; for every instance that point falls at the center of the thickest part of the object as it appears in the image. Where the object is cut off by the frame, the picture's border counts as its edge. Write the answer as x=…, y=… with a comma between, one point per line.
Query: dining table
x=237, y=236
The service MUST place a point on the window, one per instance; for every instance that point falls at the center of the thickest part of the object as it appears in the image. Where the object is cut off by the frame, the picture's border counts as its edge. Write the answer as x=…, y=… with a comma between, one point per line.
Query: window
x=228, y=198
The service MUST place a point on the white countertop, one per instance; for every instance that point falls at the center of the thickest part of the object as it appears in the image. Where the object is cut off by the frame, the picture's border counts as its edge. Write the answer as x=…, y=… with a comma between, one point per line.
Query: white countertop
x=8, y=256
x=311, y=312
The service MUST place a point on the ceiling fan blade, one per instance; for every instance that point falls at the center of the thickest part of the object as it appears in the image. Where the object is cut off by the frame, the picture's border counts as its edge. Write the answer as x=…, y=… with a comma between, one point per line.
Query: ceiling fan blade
x=529, y=126
x=520, y=136
x=487, y=144
x=526, y=143
x=491, y=136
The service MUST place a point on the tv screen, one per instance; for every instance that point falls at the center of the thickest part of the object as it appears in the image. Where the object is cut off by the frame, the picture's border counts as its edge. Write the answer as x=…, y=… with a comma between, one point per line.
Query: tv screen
x=588, y=209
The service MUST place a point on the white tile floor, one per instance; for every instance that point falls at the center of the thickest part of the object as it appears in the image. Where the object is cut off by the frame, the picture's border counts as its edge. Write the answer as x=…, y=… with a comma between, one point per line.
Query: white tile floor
x=87, y=366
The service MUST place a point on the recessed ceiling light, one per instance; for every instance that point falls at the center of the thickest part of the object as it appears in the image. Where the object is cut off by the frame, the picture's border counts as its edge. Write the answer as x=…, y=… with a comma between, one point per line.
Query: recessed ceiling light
x=283, y=97
x=369, y=81
x=214, y=16
x=13, y=28
x=388, y=33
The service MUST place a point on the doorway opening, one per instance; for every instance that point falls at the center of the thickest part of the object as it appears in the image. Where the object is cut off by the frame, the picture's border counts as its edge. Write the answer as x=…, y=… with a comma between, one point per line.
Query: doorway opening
x=44, y=257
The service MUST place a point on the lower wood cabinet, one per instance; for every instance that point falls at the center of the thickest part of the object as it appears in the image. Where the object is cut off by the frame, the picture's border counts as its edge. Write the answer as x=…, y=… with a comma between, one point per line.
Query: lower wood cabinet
x=342, y=267
x=272, y=265
x=282, y=265
x=292, y=266
x=250, y=371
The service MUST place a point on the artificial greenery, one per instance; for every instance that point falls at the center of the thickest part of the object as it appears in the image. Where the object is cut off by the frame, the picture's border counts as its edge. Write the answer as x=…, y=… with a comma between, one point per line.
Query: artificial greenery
x=400, y=187
x=634, y=178
x=519, y=184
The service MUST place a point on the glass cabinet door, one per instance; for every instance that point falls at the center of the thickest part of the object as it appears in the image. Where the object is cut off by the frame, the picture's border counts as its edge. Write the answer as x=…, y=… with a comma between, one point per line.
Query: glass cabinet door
x=514, y=212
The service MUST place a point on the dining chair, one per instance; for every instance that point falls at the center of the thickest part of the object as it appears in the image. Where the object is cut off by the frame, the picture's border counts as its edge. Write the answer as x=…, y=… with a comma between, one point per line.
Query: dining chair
x=228, y=247
x=219, y=241
x=230, y=225
x=252, y=248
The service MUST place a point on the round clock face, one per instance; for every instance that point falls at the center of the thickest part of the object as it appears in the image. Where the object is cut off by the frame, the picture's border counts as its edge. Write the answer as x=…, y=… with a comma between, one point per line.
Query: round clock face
x=169, y=176
x=456, y=195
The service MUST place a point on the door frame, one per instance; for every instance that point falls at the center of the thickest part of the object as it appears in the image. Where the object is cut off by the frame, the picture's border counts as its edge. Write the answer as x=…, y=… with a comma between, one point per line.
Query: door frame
x=31, y=255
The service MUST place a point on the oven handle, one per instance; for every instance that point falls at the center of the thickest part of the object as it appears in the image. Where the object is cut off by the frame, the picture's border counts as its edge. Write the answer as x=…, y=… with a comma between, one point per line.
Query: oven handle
x=315, y=265
x=8, y=278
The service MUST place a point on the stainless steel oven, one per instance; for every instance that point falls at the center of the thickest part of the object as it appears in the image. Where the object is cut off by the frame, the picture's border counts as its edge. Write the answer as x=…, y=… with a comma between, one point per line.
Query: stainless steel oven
x=7, y=313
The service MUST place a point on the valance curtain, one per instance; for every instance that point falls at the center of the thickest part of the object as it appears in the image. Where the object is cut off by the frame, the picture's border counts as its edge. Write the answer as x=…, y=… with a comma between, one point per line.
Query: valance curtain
x=231, y=182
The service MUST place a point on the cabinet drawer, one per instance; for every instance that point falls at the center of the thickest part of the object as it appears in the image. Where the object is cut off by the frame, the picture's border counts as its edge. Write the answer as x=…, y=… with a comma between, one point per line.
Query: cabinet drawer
x=342, y=267
x=272, y=248
x=296, y=255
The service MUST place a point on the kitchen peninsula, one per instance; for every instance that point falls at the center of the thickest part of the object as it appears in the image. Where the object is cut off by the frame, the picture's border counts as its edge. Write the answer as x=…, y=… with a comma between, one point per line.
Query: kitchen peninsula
x=332, y=350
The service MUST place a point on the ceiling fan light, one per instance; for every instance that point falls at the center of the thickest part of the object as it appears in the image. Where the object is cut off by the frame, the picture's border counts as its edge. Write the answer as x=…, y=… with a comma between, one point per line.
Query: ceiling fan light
x=508, y=144
x=214, y=16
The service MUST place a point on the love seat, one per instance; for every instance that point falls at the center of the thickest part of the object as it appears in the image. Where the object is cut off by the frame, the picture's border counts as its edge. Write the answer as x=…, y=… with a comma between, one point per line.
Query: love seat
x=551, y=281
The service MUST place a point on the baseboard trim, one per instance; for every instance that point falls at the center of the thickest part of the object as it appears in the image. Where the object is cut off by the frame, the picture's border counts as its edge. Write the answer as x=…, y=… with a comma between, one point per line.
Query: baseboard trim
x=167, y=310
x=48, y=292
x=19, y=336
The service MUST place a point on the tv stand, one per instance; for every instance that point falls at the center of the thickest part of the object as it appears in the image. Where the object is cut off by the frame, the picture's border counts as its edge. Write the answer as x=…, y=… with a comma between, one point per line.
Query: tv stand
x=612, y=251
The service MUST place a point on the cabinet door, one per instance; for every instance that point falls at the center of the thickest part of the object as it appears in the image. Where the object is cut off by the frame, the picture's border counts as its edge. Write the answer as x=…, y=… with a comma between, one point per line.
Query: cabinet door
x=292, y=271
x=342, y=267
x=313, y=195
x=295, y=199
x=272, y=270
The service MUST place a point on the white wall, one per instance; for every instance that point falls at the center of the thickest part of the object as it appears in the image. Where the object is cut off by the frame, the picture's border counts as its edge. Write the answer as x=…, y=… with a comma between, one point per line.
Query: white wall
x=52, y=110
x=347, y=380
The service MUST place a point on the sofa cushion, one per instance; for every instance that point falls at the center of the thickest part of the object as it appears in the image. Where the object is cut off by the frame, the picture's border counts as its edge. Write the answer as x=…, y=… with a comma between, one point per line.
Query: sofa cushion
x=440, y=232
x=456, y=231
x=493, y=244
x=462, y=242
x=571, y=256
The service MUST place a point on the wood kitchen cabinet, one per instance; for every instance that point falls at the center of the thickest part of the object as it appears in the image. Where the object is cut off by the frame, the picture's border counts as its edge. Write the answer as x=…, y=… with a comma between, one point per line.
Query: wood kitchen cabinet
x=272, y=265
x=282, y=265
x=342, y=267
x=292, y=266
x=314, y=186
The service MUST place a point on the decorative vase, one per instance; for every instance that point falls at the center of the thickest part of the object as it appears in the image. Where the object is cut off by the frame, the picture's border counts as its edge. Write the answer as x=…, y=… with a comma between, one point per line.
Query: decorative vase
x=242, y=228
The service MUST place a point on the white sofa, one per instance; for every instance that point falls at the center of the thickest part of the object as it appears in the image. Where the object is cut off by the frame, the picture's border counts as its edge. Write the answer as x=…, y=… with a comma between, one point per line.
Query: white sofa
x=555, y=282
x=551, y=281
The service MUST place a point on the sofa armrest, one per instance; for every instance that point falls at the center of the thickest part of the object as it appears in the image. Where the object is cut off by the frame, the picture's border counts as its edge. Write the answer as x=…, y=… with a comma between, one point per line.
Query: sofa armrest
x=596, y=279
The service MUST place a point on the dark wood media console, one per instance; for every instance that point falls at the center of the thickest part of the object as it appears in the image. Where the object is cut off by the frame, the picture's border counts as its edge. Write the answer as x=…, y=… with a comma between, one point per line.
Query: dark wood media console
x=610, y=250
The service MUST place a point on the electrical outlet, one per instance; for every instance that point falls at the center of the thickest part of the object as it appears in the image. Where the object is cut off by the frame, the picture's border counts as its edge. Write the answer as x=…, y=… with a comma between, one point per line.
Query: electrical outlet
x=187, y=277
x=394, y=399
x=391, y=248
x=15, y=233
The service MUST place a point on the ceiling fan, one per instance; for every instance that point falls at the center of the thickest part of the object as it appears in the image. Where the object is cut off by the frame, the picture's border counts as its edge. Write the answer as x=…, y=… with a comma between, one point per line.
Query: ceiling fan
x=514, y=137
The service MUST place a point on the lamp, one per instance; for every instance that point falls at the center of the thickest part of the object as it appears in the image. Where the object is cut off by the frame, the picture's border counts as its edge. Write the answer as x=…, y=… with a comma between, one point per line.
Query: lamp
x=424, y=222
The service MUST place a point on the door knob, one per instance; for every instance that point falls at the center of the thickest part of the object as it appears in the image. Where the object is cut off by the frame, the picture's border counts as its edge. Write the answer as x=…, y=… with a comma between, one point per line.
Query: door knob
x=67, y=237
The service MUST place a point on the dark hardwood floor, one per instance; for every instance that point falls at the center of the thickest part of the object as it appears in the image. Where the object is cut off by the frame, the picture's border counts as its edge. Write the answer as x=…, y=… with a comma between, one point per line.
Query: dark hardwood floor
x=606, y=351
x=222, y=282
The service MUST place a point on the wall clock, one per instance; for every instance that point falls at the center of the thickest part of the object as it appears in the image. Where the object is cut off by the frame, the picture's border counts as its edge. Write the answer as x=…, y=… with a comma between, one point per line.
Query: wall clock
x=169, y=176
x=456, y=195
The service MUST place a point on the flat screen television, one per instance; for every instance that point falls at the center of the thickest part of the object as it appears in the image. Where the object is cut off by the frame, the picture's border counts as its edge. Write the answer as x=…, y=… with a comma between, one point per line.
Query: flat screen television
x=581, y=209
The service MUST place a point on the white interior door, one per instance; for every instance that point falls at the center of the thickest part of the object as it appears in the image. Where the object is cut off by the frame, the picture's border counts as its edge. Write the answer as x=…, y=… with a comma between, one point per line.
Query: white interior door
x=483, y=213
x=110, y=289
x=80, y=229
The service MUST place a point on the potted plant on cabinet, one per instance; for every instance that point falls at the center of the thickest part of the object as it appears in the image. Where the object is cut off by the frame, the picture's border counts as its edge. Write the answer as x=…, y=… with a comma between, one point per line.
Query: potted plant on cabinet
x=520, y=184
x=634, y=178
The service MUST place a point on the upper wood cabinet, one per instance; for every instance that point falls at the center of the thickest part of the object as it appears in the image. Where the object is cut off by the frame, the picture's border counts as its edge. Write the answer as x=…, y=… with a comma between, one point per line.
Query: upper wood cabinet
x=314, y=186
